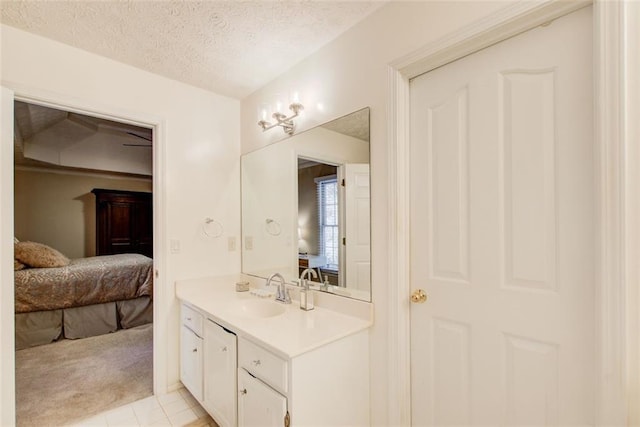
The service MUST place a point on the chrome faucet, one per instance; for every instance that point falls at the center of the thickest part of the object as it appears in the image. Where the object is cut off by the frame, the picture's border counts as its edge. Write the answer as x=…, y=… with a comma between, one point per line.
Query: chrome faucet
x=306, y=296
x=306, y=273
x=282, y=295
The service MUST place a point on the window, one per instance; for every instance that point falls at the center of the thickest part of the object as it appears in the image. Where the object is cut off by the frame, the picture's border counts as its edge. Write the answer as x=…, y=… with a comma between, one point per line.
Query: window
x=327, y=188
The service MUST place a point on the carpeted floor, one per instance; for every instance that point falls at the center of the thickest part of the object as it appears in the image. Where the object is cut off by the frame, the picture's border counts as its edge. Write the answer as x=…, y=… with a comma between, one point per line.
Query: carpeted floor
x=70, y=380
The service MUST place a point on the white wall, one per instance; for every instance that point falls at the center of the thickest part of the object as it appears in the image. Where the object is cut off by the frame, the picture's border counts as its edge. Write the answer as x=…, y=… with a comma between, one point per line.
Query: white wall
x=199, y=172
x=268, y=185
x=7, y=386
x=348, y=74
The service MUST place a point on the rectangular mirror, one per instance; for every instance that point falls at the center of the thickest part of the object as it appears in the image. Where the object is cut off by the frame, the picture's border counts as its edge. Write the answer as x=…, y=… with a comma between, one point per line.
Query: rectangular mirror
x=306, y=204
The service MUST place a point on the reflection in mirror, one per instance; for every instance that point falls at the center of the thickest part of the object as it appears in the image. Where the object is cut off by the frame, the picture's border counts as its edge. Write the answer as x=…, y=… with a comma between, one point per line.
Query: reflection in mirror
x=305, y=204
x=318, y=219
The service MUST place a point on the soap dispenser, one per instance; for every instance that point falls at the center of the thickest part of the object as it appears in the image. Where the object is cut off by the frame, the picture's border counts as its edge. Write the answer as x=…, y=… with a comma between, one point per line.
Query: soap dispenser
x=306, y=294
x=326, y=285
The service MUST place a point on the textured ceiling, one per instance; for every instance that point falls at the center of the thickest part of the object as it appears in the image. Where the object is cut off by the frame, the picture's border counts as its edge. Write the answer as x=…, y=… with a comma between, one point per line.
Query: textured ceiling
x=229, y=47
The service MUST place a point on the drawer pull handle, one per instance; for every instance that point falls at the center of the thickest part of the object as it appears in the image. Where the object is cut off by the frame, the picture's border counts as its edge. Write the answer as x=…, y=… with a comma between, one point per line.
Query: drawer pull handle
x=256, y=362
x=189, y=319
x=224, y=348
x=243, y=391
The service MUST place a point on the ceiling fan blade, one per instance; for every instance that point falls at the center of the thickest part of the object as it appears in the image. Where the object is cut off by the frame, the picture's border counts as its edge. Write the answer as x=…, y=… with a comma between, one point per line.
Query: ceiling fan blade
x=139, y=136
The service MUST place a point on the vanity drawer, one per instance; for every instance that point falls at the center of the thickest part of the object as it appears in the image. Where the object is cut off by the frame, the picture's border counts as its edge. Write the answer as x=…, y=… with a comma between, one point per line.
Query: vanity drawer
x=263, y=364
x=192, y=319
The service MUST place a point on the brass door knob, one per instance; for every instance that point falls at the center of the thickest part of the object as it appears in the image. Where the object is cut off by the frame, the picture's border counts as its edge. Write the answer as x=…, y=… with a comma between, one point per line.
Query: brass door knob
x=418, y=296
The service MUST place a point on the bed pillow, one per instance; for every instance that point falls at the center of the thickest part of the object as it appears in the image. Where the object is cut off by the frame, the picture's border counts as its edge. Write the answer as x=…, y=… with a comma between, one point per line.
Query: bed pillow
x=17, y=265
x=39, y=255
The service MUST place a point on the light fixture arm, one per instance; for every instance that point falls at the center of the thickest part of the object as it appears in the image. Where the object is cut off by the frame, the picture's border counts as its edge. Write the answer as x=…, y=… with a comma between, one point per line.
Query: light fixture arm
x=287, y=124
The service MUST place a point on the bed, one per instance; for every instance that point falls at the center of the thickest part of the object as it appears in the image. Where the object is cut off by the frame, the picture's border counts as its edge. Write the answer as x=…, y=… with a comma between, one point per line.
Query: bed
x=89, y=296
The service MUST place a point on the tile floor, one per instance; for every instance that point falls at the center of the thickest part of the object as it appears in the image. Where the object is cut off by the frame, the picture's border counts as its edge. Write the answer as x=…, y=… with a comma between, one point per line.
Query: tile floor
x=178, y=408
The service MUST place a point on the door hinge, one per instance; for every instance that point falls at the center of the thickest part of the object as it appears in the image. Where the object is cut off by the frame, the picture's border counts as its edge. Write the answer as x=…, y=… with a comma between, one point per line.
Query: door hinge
x=344, y=241
x=157, y=274
x=287, y=420
x=343, y=183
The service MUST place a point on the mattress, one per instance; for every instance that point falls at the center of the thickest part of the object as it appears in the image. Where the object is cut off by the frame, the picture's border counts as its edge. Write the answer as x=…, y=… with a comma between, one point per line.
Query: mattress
x=85, y=281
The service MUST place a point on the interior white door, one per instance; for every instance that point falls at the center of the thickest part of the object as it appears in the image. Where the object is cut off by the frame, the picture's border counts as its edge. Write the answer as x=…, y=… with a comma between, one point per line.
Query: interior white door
x=502, y=233
x=357, y=219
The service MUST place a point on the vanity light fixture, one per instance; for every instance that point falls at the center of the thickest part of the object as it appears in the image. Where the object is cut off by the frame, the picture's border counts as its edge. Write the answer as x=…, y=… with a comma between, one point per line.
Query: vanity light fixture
x=288, y=126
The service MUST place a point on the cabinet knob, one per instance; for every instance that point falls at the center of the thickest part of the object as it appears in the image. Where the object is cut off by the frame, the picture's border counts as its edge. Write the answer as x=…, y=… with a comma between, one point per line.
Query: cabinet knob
x=224, y=348
x=189, y=318
x=195, y=350
x=256, y=362
x=243, y=391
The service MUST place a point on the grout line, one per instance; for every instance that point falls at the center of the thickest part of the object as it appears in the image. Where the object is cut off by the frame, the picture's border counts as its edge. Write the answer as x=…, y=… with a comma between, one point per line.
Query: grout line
x=190, y=401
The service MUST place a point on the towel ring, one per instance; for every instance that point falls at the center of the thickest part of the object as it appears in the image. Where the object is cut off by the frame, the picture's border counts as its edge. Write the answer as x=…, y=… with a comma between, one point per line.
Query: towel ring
x=212, y=228
x=273, y=227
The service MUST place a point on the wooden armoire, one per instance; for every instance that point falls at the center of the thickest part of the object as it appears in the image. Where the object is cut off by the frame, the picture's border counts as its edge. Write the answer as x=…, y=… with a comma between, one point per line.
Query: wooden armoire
x=124, y=222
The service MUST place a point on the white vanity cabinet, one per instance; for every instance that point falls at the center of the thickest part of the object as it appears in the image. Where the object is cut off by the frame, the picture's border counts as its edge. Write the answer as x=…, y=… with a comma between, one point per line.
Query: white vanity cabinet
x=262, y=380
x=328, y=385
x=259, y=404
x=220, y=368
x=263, y=363
x=191, y=351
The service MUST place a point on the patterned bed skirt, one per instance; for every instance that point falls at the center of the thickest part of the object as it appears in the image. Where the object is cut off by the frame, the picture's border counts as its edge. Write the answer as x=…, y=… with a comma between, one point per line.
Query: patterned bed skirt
x=44, y=327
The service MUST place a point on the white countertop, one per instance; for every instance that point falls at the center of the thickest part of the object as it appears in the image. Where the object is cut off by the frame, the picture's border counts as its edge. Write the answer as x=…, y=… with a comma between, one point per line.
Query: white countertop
x=289, y=334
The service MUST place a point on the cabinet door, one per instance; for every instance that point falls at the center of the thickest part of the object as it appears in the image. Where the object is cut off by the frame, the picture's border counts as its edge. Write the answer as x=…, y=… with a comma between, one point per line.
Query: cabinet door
x=114, y=224
x=220, y=372
x=258, y=404
x=142, y=227
x=191, y=361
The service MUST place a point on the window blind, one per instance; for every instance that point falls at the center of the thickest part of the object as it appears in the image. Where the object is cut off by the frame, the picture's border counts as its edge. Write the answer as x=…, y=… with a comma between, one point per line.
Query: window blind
x=328, y=214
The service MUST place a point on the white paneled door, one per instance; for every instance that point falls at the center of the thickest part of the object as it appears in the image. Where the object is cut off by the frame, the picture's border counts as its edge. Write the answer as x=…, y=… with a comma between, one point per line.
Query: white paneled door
x=357, y=242
x=503, y=233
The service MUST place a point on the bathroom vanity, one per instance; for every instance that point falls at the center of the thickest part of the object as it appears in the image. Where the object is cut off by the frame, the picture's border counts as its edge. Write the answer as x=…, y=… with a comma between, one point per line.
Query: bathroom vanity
x=254, y=361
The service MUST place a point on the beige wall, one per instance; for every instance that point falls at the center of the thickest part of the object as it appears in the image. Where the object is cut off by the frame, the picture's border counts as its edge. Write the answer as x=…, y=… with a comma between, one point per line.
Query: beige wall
x=348, y=74
x=58, y=209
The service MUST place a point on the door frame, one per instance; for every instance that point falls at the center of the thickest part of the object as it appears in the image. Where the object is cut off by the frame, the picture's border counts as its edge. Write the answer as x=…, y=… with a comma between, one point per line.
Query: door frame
x=617, y=166
x=160, y=311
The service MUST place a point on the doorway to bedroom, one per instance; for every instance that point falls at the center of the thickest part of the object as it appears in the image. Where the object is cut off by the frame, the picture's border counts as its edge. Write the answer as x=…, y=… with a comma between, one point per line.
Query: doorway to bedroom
x=83, y=210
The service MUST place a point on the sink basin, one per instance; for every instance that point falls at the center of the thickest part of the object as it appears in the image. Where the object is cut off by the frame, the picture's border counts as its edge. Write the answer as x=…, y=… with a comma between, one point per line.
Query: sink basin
x=259, y=308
